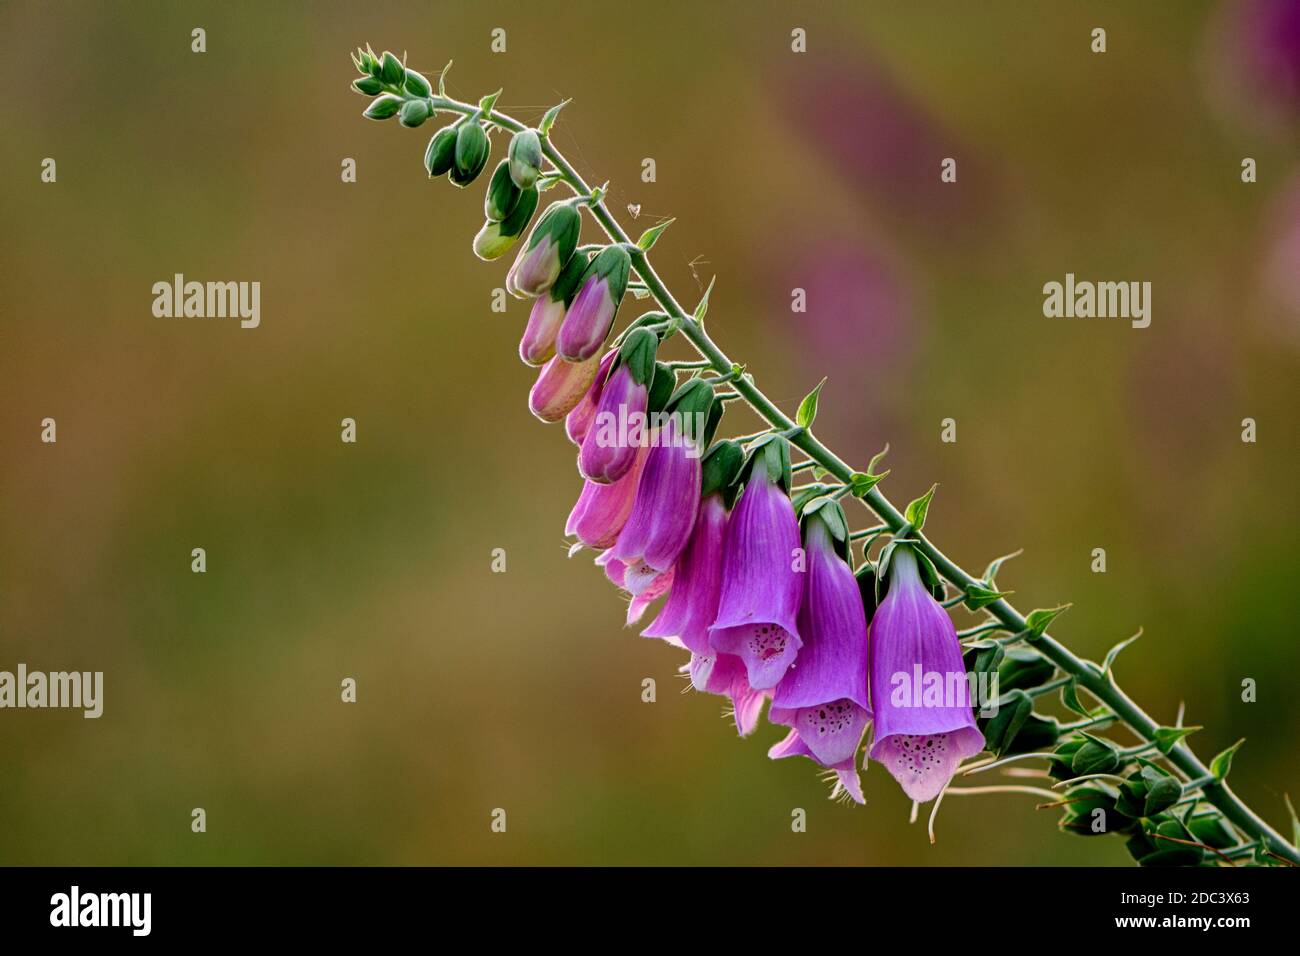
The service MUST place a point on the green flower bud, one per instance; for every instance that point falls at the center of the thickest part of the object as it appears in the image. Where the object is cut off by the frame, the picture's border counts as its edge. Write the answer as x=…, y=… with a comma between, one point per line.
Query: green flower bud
x=383, y=107
x=1061, y=766
x=1095, y=755
x=496, y=238
x=525, y=158
x=1148, y=791
x=441, y=152
x=417, y=85
x=1147, y=847
x=414, y=112
x=391, y=70
x=472, y=148
x=1000, y=730
x=502, y=194
x=983, y=657
x=1023, y=669
x=369, y=85
x=1090, y=811
x=1212, y=831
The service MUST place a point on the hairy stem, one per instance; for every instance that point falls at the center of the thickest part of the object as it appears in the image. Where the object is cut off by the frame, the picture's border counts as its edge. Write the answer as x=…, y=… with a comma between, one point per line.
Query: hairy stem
x=1088, y=675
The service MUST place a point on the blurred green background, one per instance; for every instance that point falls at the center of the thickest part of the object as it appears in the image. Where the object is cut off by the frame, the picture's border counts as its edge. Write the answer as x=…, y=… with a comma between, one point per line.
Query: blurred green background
x=522, y=690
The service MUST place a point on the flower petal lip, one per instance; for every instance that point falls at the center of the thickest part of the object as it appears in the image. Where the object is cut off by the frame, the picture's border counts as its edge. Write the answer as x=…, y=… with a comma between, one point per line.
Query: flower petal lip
x=761, y=590
x=693, y=604
x=911, y=633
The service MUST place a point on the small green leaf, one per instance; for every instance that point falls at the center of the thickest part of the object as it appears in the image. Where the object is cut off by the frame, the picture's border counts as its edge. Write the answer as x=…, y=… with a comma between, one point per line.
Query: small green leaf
x=1037, y=621
x=1221, y=764
x=918, y=509
x=651, y=235
x=807, y=412
x=879, y=457
x=860, y=484
x=489, y=101
x=1114, y=652
x=1070, y=699
x=1295, y=821
x=442, y=78
x=549, y=119
x=702, y=309
x=1166, y=738
x=978, y=596
x=995, y=565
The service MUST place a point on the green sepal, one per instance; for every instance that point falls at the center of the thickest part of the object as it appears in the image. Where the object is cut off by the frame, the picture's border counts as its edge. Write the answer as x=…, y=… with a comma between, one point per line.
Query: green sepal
x=440, y=154
x=771, y=452
x=930, y=576
x=983, y=657
x=369, y=85
x=383, y=107
x=1096, y=755
x=525, y=158
x=719, y=470
x=829, y=512
x=1061, y=765
x=519, y=218
x=472, y=149
x=1212, y=831
x=1148, y=849
x=391, y=70
x=502, y=194
x=1148, y=791
x=661, y=388
x=612, y=264
x=417, y=85
x=566, y=283
x=562, y=222
x=866, y=578
x=1024, y=669
x=1081, y=817
x=638, y=354
x=1000, y=730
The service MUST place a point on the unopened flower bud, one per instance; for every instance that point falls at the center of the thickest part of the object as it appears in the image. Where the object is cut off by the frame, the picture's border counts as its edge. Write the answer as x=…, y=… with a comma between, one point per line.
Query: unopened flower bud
x=591, y=316
x=496, y=238
x=382, y=107
x=560, y=386
x=502, y=193
x=417, y=85
x=440, y=155
x=525, y=158
x=414, y=112
x=391, y=70
x=538, y=342
x=369, y=85
x=548, y=250
x=472, y=148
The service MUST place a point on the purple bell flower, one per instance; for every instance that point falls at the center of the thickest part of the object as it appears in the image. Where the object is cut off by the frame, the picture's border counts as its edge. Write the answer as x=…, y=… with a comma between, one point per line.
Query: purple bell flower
x=667, y=499
x=823, y=697
x=922, y=732
x=591, y=315
x=693, y=604
x=761, y=589
x=617, y=427
x=601, y=511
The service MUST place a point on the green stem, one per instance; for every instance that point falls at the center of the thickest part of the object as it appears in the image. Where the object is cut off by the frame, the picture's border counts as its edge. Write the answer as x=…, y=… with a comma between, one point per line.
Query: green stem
x=1087, y=674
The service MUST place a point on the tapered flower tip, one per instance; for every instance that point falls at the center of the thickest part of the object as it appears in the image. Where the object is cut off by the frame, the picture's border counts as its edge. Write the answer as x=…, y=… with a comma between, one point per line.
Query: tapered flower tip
x=591, y=315
x=760, y=587
x=693, y=604
x=724, y=674
x=617, y=428
x=578, y=422
x=549, y=248
x=559, y=387
x=651, y=592
x=667, y=499
x=846, y=771
x=537, y=345
x=601, y=510
x=920, y=696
